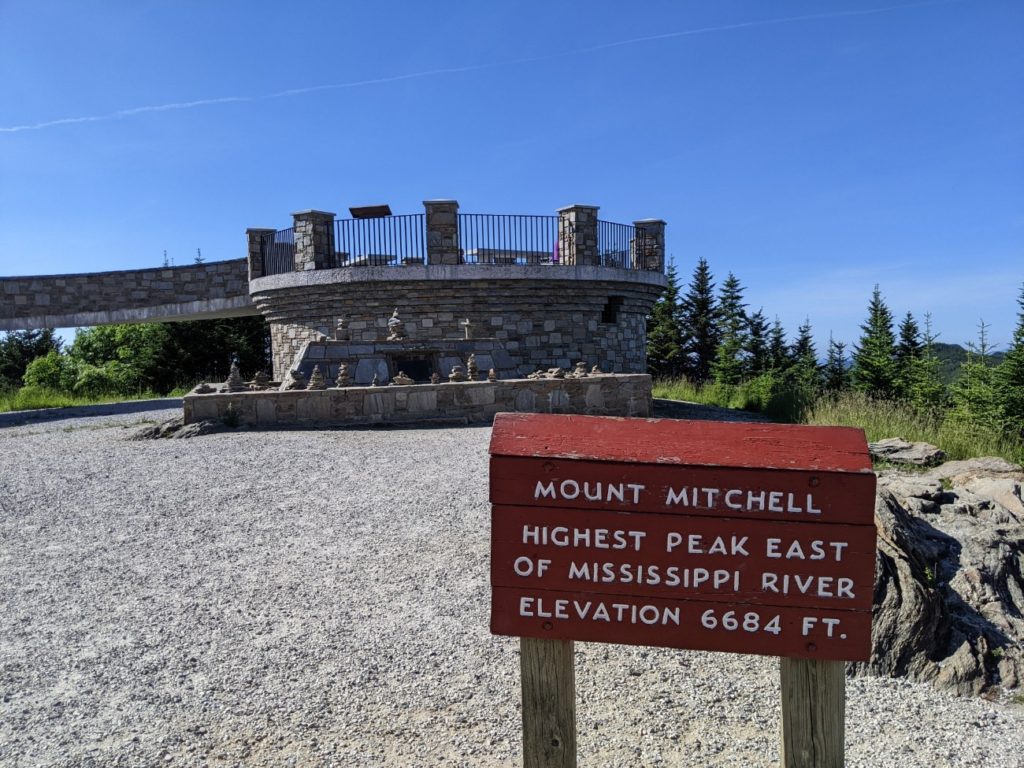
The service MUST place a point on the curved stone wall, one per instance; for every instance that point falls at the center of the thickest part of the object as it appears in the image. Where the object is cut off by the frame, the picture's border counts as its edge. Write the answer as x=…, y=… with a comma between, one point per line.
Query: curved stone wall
x=194, y=292
x=545, y=316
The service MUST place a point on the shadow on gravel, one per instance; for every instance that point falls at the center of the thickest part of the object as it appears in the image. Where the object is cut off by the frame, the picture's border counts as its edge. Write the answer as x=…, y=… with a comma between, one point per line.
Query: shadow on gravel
x=19, y=418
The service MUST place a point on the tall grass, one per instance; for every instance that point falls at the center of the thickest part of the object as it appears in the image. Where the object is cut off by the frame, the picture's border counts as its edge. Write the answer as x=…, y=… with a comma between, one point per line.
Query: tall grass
x=878, y=418
x=31, y=398
x=881, y=419
x=763, y=394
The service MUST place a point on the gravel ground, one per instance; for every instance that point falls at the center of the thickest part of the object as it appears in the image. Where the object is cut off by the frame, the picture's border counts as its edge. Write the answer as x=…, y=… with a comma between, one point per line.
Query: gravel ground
x=321, y=598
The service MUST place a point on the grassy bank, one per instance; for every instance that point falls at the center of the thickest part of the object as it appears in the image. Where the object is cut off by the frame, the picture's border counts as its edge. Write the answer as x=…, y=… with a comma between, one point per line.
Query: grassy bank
x=32, y=398
x=878, y=418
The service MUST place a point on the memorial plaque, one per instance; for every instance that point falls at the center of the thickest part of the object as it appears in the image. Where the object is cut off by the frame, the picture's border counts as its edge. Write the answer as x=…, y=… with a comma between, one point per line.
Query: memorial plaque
x=750, y=538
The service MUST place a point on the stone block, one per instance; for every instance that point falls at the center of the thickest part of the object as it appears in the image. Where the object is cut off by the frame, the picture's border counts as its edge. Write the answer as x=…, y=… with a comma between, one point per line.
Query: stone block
x=594, y=398
x=526, y=401
x=367, y=367
x=266, y=410
x=424, y=401
x=558, y=401
x=475, y=394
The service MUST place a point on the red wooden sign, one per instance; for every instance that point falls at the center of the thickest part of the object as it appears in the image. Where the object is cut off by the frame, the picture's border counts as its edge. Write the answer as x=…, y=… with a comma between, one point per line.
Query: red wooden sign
x=751, y=538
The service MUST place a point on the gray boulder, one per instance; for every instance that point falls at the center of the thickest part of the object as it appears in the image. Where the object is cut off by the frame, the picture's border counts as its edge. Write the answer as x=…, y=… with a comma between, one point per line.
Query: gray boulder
x=896, y=450
x=949, y=587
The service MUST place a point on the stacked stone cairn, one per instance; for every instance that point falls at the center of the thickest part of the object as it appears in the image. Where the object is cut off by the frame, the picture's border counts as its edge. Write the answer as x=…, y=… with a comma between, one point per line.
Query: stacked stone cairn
x=343, y=379
x=492, y=375
x=396, y=328
x=341, y=331
x=472, y=371
x=317, y=380
x=260, y=381
x=403, y=380
x=298, y=380
x=458, y=374
x=580, y=371
x=234, y=382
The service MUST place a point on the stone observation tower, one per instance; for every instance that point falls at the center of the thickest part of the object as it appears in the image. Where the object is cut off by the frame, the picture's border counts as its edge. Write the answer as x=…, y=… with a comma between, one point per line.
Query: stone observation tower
x=420, y=293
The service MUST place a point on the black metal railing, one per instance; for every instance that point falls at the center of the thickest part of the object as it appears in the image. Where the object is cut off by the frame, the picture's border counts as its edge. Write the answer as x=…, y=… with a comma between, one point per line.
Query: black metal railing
x=617, y=245
x=278, y=249
x=386, y=241
x=486, y=238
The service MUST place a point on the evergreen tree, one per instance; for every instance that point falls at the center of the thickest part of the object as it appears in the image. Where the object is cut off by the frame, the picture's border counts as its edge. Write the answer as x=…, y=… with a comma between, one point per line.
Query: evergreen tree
x=664, y=331
x=835, y=375
x=805, y=371
x=778, y=350
x=1009, y=378
x=729, y=365
x=908, y=353
x=874, y=363
x=756, y=350
x=923, y=382
x=973, y=394
x=699, y=315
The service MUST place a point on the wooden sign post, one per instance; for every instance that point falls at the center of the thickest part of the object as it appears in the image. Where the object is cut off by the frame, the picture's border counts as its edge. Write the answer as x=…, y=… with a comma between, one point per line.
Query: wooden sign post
x=746, y=538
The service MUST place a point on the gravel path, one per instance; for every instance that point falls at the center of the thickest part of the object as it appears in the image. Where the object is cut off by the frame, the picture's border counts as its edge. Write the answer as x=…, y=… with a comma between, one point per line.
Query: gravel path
x=321, y=598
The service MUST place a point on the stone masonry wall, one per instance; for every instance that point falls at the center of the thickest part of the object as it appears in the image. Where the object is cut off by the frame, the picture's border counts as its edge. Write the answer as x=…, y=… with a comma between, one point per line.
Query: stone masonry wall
x=197, y=291
x=472, y=402
x=542, y=324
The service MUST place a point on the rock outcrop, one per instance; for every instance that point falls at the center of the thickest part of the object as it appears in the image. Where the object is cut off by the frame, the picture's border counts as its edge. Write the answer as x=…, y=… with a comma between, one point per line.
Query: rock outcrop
x=949, y=577
x=896, y=450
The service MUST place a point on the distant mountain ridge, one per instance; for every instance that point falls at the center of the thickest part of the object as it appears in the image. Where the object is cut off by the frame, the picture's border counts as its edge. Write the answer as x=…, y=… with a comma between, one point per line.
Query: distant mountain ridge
x=951, y=356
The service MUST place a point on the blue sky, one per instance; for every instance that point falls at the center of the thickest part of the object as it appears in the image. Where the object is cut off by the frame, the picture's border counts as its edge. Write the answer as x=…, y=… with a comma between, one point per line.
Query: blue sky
x=812, y=148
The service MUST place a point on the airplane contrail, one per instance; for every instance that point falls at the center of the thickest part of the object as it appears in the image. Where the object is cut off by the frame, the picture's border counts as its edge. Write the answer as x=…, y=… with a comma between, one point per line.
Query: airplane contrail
x=122, y=113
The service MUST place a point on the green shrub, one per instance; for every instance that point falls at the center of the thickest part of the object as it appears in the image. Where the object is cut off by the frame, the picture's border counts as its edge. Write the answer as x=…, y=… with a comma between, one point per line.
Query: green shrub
x=52, y=371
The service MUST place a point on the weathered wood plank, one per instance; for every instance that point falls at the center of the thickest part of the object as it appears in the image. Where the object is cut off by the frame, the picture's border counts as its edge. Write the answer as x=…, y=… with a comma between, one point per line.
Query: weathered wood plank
x=758, y=494
x=813, y=713
x=740, y=561
x=700, y=625
x=673, y=441
x=549, y=703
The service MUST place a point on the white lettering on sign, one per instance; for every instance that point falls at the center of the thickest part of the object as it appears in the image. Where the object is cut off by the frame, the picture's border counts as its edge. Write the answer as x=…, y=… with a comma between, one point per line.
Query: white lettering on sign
x=795, y=551
x=695, y=544
x=598, y=610
x=822, y=586
x=651, y=574
x=595, y=538
x=741, y=501
x=598, y=491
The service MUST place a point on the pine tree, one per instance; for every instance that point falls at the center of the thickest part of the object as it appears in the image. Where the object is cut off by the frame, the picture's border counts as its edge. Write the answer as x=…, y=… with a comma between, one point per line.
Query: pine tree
x=973, y=394
x=756, y=350
x=874, y=364
x=925, y=390
x=199, y=256
x=1009, y=378
x=778, y=350
x=908, y=352
x=699, y=315
x=664, y=331
x=805, y=371
x=729, y=365
x=835, y=375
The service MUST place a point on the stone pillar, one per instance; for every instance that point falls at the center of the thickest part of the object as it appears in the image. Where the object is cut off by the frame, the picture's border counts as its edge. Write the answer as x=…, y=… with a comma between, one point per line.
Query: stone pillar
x=314, y=240
x=255, y=237
x=443, y=232
x=649, y=245
x=577, y=235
